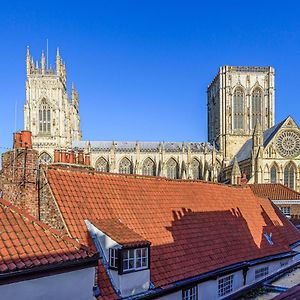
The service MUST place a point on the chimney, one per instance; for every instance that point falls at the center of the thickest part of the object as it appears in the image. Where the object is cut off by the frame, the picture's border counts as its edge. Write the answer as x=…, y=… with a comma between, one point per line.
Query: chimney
x=56, y=156
x=63, y=157
x=87, y=159
x=244, y=179
x=26, y=139
x=80, y=158
x=72, y=157
x=17, y=140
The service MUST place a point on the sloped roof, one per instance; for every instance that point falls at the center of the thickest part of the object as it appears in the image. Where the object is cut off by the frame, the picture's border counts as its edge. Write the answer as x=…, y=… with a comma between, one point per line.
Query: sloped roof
x=26, y=243
x=274, y=191
x=194, y=227
x=245, y=152
x=144, y=146
x=120, y=233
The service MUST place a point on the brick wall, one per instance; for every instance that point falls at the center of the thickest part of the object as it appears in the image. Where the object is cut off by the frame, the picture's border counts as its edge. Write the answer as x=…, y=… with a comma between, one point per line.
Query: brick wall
x=19, y=179
x=49, y=212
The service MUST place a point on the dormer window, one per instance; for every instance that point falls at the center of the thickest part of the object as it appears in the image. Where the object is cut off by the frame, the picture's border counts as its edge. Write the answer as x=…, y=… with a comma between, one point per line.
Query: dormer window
x=135, y=259
x=113, y=258
x=129, y=260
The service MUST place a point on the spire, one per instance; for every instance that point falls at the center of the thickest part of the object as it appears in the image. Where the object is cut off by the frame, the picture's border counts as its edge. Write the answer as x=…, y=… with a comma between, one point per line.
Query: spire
x=43, y=63
x=36, y=67
x=235, y=172
x=58, y=62
x=28, y=66
x=257, y=135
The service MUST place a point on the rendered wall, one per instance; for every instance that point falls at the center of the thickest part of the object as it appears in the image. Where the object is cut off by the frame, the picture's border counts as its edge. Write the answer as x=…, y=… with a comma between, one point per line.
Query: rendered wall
x=72, y=285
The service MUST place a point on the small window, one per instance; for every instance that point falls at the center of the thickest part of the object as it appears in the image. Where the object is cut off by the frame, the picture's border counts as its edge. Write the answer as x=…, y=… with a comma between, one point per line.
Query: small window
x=261, y=272
x=286, y=210
x=113, y=258
x=225, y=285
x=135, y=259
x=190, y=293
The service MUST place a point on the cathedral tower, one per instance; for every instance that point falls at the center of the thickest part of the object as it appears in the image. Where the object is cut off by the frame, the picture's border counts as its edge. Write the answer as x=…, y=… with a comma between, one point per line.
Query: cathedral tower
x=49, y=114
x=238, y=97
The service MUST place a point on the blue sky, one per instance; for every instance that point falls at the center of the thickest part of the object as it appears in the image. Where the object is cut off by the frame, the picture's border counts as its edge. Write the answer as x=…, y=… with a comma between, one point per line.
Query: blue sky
x=142, y=67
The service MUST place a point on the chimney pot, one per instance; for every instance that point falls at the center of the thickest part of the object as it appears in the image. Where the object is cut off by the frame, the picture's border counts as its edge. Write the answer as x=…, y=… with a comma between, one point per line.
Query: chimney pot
x=72, y=157
x=87, y=160
x=56, y=156
x=63, y=157
x=26, y=139
x=17, y=140
x=80, y=158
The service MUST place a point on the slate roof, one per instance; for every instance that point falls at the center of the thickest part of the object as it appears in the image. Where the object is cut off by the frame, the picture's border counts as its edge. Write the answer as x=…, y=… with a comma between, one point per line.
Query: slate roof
x=26, y=243
x=245, y=152
x=194, y=227
x=144, y=146
x=120, y=233
x=274, y=191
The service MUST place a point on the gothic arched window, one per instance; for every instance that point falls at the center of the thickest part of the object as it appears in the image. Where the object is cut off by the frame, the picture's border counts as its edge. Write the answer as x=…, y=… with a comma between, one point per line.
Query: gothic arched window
x=197, y=170
x=256, y=107
x=172, y=169
x=101, y=165
x=44, y=117
x=148, y=167
x=125, y=166
x=238, y=109
x=45, y=159
x=273, y=174
x=289, y=176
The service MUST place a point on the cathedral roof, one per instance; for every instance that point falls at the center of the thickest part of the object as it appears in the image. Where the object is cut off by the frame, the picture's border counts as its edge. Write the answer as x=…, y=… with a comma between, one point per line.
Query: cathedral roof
x=245, y=151
x=143, y=146
x=194, y=227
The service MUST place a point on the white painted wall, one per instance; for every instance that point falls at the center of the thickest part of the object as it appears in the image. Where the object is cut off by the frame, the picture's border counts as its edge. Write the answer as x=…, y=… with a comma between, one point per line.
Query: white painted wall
x=71, y=285
x=209, y=289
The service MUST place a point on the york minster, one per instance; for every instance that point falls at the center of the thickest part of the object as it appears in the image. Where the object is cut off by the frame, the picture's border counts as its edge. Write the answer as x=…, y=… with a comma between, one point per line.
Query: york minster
x=243, y=139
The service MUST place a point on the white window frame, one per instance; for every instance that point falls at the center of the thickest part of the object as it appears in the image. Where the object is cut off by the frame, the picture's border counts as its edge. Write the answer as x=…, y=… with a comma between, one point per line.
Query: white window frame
x=113, y=257
x=135, y=259
x=261, y=272
x=190, y=293
x=286, y=210
x=225, y=285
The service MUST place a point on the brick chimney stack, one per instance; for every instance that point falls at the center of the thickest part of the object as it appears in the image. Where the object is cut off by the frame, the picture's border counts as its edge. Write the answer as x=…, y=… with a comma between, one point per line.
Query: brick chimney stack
x=18, y=179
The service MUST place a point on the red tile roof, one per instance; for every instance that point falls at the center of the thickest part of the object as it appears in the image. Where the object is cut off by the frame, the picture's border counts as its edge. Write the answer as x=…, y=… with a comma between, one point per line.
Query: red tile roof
x=26, y=243
x=274, y=191
x=120, y=233
x=194, y=227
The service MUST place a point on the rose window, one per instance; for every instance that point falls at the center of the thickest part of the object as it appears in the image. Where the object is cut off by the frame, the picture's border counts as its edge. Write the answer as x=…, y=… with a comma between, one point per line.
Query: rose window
x=288, y=144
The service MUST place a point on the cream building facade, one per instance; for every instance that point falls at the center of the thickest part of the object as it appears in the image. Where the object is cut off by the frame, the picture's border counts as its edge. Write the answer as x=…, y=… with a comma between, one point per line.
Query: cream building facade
x=242, y=137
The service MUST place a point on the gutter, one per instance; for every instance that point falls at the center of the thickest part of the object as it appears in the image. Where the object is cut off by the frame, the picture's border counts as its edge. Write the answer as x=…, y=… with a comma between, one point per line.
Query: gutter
x=48, y=270
x=152, y=294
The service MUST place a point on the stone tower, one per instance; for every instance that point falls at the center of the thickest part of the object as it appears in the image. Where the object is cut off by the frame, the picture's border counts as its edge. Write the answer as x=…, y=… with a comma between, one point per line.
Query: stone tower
x=238, y=97
x=49, y=114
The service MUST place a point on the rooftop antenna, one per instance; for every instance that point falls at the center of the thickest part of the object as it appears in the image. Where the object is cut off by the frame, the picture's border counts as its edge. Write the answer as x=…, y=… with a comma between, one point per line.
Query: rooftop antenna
x=15, y=129
x=47, y=53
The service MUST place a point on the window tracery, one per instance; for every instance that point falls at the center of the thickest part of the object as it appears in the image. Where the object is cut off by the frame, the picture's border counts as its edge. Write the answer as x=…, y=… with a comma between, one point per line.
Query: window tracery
x=172, y=169
x=102, y=165
x=238, y=109
x=44, y=117
x=125, y=166
x=148, y=167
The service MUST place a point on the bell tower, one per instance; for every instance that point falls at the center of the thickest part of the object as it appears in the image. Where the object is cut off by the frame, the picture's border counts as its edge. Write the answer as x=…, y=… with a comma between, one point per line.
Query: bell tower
x=237, y=98
x=49, y=114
